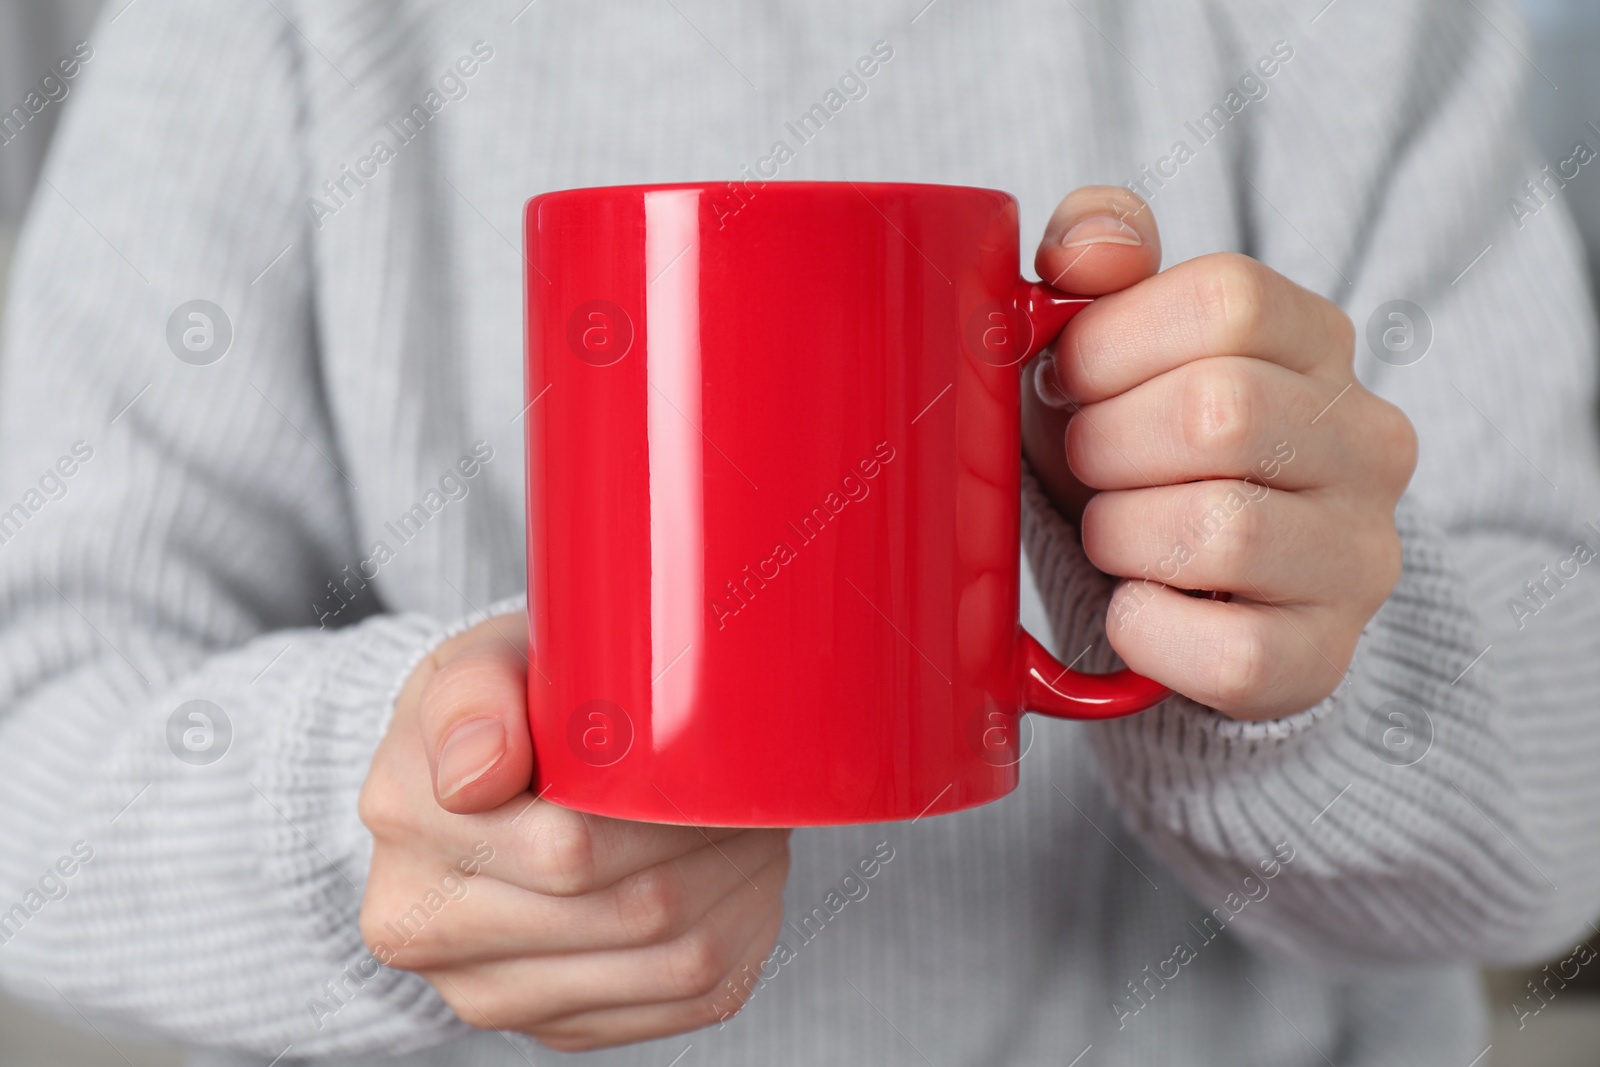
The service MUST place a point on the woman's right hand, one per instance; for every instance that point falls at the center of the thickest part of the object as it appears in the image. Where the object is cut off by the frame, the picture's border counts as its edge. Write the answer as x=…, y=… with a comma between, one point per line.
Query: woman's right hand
x=579, y=930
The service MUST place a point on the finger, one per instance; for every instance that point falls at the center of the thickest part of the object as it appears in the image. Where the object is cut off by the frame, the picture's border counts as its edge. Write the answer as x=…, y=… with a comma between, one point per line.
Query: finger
x=539, y=845
x=1222, y=417
x=1247, y=660
x=1218, y=305
x=1101, y=238
x=560, y=852
x=694, y=964
x=1235, y=537
x=486, y=919
x=473, y=715
x=616, y=1026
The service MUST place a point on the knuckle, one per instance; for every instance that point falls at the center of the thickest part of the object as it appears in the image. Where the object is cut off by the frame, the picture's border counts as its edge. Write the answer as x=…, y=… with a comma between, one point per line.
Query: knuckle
x=649, y=905
x=695, y=963
x=407, y=956
x=398, y=934
x=381, y=805
x=1230, y=530
x=373, y=935
x=1241, y=666
x=1219, y=402
x=1400, y=443
x=1342, y=335
x=425, y=946
x=1230, y=299
x=562, y=849
x=469, y=1011
x=1387, y=560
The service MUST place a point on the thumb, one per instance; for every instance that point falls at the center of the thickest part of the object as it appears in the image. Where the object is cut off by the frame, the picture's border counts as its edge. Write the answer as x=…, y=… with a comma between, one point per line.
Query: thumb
x=1100, y=239
x=474, y=717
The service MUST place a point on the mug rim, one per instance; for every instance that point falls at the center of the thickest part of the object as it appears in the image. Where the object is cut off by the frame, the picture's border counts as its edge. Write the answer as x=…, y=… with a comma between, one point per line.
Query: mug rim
x=600, y=191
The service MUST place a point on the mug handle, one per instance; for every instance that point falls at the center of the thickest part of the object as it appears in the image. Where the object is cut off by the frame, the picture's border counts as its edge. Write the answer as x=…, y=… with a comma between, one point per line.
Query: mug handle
x=1044, y=683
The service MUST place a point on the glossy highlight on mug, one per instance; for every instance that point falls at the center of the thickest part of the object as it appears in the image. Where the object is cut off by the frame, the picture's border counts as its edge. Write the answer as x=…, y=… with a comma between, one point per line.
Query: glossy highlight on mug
x=773, y=492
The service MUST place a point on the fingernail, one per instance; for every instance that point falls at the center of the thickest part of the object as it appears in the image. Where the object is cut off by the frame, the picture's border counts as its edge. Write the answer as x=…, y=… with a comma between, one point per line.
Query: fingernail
x=468, y=754
x=1047, y=383
x=1101, y=230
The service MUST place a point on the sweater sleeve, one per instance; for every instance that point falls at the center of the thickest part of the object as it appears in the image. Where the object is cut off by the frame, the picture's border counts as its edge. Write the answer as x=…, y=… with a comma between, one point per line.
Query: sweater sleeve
x=1439, y=805
x=182, y=734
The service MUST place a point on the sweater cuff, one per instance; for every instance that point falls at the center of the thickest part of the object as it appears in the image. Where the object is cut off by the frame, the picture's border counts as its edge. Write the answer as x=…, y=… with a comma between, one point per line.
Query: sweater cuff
x=323, y=749
x=324, y=743
x=321, y=752
x=336, y=730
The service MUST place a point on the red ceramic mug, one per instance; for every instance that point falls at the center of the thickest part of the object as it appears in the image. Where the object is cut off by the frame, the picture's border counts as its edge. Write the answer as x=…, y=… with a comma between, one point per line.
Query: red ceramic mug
x=773, y=520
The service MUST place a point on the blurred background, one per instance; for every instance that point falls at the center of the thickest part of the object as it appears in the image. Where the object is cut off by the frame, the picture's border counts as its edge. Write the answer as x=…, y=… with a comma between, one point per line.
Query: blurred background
x=1564, y=98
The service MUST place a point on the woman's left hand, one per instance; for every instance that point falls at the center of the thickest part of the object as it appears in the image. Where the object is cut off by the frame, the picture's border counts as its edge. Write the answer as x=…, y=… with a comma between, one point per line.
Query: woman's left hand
x=1204, y=426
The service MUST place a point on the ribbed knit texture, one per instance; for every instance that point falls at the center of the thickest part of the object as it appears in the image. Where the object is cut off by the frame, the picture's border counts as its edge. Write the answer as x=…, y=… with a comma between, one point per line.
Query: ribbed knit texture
x=373, y=348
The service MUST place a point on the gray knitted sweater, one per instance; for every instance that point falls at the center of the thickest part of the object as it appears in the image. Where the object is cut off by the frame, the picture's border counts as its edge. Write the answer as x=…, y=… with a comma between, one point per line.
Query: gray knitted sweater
x=181, y=505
